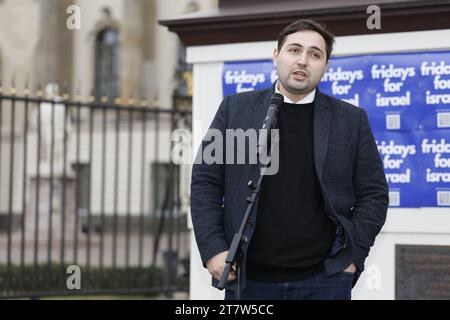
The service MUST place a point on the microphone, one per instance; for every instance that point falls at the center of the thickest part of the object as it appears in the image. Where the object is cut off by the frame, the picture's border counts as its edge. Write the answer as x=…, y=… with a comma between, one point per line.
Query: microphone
x=270, y=120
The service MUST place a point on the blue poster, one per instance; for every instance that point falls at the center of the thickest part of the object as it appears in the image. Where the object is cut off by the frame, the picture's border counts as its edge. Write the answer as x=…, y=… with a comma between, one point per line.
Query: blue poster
x=434, y=83
x=391, y=94
x=407, y=98
x=345, y=79
x=434, y=174
x=247, y=76
x=399, y=154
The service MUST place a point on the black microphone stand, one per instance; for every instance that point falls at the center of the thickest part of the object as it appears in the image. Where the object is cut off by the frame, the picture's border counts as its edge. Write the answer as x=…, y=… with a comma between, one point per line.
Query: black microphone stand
x=235, y=254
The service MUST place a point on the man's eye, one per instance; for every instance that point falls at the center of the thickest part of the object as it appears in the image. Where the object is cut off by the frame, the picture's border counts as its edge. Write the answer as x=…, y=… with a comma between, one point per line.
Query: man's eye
x=316, y=55
x=293, y=50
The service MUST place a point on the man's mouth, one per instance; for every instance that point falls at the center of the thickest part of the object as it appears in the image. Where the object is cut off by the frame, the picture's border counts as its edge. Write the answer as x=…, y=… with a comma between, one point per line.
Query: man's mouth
x=300, y=75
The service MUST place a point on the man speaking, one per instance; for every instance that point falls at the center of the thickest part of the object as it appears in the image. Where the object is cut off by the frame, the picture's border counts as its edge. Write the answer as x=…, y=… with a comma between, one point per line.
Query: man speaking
x=319, y=215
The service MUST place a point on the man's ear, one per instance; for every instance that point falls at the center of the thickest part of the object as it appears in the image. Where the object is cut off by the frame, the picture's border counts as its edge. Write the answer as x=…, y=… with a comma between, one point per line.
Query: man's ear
x=275, y=56
x=326, y=68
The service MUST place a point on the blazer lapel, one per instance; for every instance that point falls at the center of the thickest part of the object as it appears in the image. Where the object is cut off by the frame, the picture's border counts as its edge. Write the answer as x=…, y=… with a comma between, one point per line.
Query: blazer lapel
x=322, y=119
x=260, y=112
x=260, y=109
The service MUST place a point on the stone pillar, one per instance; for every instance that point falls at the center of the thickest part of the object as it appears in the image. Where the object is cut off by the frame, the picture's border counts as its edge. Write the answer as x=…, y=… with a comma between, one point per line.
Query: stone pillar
x=53, y=58
x=131, y=48
x=149, y=81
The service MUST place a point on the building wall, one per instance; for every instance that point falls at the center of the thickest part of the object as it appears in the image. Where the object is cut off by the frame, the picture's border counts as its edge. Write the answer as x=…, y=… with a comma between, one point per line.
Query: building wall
x=167, y=44
x=149, y=56
x=19, y=33
x=149, y=52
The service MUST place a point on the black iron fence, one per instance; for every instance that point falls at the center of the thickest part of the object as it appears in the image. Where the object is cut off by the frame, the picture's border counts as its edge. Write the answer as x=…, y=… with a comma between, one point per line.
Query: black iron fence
x=90, y=200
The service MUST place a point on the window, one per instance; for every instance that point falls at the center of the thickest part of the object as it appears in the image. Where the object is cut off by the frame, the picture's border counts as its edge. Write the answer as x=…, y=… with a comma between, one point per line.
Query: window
x=107, y=64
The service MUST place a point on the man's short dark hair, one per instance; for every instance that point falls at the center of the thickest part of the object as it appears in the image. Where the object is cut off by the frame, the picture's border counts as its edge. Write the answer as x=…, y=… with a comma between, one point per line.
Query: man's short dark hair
x=307, y=24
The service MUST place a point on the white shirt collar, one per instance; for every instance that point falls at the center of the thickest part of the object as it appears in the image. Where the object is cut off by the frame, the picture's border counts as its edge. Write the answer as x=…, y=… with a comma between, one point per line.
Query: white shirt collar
x=308, y=99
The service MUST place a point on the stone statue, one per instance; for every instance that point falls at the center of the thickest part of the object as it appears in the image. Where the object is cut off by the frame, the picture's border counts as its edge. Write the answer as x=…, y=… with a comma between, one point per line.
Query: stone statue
x=45, y=108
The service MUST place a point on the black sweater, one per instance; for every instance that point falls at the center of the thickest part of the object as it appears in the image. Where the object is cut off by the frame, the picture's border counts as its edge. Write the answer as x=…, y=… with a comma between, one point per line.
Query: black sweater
x=293, y=234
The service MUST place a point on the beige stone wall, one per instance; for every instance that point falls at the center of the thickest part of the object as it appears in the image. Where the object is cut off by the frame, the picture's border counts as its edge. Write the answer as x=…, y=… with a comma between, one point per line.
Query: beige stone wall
x=54, y=50
x=19, y=25
x=167, y=44
x=34, y=40
x=19, y=32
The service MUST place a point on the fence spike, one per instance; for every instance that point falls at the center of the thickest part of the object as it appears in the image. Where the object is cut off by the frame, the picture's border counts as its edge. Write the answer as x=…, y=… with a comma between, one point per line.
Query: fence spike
x=78, y=91
x=92, y=95
x=39, y=91
x=13, y=84
x=65, y=91
x=156, y=99
x=27, y=85
x=91, y=99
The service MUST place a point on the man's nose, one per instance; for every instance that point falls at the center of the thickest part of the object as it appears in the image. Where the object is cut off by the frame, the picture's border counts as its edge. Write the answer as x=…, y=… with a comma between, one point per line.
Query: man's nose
x=302, y=59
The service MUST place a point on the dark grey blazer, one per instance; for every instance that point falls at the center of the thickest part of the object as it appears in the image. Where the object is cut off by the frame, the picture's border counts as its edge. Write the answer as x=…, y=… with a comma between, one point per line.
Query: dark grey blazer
x=347, y=163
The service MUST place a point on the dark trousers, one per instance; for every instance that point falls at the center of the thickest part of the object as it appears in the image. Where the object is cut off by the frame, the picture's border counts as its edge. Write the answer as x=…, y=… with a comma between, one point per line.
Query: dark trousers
x=318, y=287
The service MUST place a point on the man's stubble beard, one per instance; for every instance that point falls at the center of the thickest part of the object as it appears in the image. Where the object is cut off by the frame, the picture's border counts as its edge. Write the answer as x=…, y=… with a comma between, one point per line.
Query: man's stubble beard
x=298, y=91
